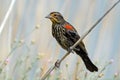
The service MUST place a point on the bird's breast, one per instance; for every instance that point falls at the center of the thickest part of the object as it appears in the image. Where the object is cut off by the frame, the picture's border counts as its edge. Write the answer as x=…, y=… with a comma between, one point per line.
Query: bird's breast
x=58, y=33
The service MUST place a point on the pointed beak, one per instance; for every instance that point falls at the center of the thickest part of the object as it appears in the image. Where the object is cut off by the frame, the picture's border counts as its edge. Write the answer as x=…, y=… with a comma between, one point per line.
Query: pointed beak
x=48, y=16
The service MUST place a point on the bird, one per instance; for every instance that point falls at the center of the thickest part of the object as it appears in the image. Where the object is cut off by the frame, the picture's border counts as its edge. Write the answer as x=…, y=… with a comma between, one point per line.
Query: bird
x=66, y=36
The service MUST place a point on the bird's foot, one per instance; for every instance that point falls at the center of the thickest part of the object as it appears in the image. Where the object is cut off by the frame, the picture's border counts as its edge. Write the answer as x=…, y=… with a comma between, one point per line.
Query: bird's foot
x=76, y=49
x=57, y=63
x=70, y=50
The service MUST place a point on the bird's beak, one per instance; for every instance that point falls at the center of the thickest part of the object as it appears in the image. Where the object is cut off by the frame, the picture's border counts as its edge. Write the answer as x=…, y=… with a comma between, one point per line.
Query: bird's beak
x=48, y=16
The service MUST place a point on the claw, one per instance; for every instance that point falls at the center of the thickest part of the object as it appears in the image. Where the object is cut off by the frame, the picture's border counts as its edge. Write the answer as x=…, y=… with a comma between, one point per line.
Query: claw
x=70, y=50
x=76, y=49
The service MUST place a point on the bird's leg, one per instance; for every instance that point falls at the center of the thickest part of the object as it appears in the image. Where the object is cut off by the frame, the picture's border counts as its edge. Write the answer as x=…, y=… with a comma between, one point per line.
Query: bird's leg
x=57, y=63
x=70, y=50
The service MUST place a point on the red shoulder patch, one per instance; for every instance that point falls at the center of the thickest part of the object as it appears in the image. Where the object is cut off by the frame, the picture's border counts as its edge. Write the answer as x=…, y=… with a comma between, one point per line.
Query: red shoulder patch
x=68, y=27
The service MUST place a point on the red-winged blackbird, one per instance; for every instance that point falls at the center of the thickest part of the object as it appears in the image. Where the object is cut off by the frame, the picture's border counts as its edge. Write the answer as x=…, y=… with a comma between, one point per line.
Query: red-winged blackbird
x=66, y=36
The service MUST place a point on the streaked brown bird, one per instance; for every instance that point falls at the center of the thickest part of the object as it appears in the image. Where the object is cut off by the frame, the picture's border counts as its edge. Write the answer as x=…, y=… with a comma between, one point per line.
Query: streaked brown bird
x=66, y=35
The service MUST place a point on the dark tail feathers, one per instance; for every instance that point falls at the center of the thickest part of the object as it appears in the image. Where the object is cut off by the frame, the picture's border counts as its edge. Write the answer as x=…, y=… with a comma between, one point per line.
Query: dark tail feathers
x=89, y=65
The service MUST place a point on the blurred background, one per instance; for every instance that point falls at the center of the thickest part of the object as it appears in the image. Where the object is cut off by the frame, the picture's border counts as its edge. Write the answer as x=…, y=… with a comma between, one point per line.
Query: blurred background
x=28, y=50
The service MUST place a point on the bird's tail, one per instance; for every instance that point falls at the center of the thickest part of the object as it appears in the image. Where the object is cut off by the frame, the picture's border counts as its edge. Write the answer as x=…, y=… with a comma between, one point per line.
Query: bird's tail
x=89, y=65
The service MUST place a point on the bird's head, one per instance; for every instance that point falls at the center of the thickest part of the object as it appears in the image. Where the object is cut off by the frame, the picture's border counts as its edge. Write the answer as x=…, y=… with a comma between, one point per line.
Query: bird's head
x=55, y=17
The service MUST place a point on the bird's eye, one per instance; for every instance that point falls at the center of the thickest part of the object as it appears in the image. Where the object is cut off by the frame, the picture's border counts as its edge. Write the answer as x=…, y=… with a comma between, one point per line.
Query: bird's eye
x=55, y=15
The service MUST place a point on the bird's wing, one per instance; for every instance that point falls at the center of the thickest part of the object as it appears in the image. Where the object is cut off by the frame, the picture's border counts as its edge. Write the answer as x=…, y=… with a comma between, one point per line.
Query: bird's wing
x=72, y=35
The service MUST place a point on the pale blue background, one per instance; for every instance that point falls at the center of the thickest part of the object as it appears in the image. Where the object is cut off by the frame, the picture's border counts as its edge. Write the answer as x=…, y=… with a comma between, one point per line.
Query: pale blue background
x=103, y=43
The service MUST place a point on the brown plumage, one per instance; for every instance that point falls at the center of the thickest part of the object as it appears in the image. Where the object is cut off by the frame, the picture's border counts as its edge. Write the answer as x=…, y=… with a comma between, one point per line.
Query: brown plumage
x=66, y=36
